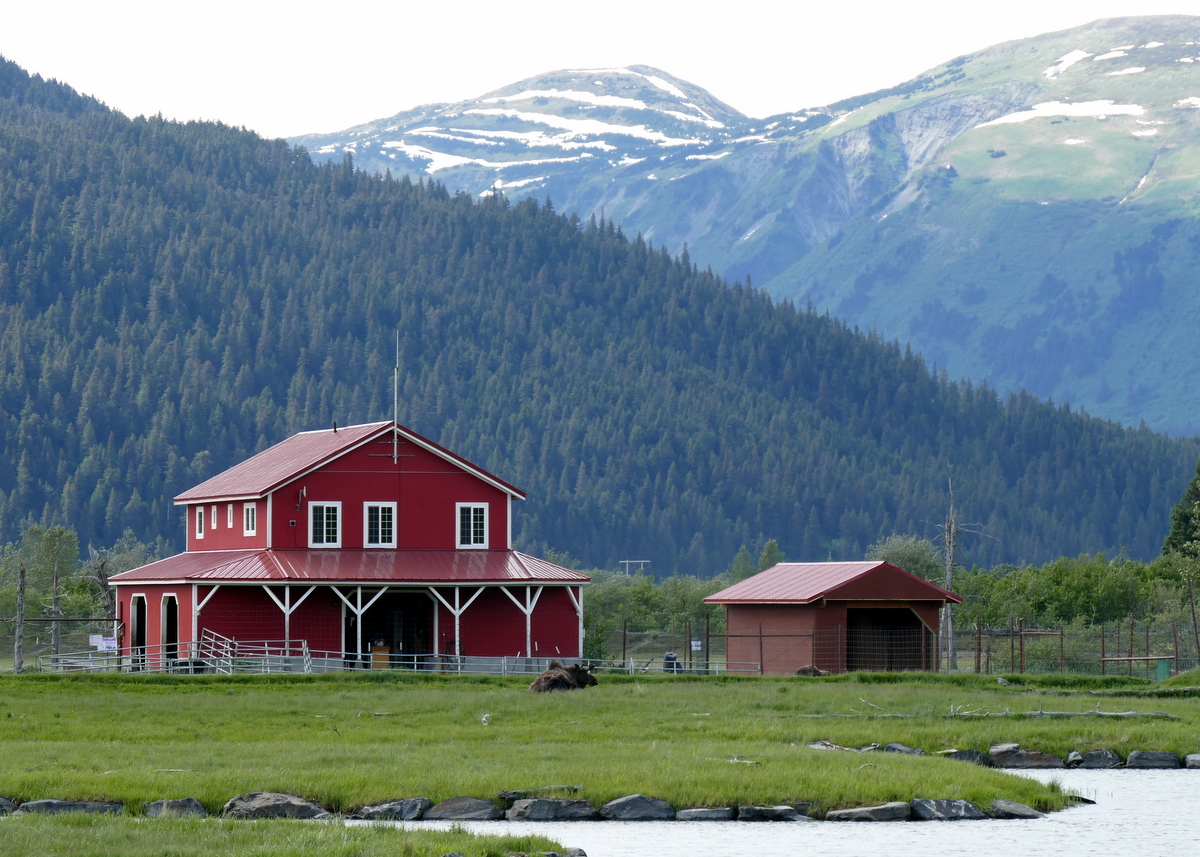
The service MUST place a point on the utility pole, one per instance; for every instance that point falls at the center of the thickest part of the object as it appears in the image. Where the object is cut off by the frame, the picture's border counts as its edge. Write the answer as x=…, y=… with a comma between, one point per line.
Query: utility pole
x=19, y=631
x=950, y=540
x=56, y=612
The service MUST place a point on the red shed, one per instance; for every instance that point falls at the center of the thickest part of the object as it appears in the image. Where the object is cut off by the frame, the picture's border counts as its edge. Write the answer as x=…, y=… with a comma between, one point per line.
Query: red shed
x=836, y=616
x=344, y=542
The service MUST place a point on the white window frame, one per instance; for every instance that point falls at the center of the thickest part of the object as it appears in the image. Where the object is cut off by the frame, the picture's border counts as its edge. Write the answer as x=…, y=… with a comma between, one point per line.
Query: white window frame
x=199, y=522
x=213, y=523
x=249, y=519
x=329, y=504
x=473, y=545
x=229, y=516
x=367, y=524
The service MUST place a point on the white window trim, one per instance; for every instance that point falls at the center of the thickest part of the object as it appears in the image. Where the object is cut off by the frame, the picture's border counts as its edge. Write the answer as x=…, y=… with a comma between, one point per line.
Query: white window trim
x=199, y=522
x=229, y=516
x=458, y=507
x=249, y=519
x=395, y=526
x=212, y=525
x=340, y=520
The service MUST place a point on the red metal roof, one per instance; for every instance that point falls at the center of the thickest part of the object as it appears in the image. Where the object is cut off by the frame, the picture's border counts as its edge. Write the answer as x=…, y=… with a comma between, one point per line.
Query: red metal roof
x=805, y=582
x=277, y=465
x=353, y=566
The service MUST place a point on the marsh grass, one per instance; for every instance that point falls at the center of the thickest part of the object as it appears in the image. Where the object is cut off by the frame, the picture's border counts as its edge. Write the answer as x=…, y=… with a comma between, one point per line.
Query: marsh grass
x=346, y=741
x=104, y=836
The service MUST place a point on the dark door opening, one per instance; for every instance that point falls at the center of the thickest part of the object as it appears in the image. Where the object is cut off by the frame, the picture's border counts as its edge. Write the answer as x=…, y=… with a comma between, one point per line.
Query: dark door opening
x=885, y=639
x=170, y=629
x=401, y=623
x=138, y=651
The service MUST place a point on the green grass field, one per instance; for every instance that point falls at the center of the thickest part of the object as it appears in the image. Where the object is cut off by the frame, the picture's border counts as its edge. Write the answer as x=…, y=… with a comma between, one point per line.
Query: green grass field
x=354, y=740
x=105, y=836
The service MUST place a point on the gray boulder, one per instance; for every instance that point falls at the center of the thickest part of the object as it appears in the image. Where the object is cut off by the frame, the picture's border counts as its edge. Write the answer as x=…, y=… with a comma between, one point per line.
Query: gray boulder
x=1012, y=809
x=637, y=808
x=1191, y=760
x=705, y=813
x=901, y=748
x=1100, y=759
x=897, y=810
x=57, y=807
x=272, y=805
x=1074, y=760
x=973, y=756
x=551, y=809
x=6, y=806
x=574, y=852
x=925, y=809
x=768, y=813
x=180, y=806
x=1151, y=759
x=463, y=809
x=1012, y=756
x=405, y=809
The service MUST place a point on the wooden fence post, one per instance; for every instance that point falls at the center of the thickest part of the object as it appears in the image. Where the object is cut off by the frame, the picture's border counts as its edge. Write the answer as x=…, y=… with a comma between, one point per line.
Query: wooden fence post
x=761, y=664
x=19, y=630
x=978, y=648
x=1175, y=638
x=1103, y=663
x=624, y=639
x=707, y=643
x=1062, y=646
x=1021, y=632
x=1130, y=661
x=1012, y=657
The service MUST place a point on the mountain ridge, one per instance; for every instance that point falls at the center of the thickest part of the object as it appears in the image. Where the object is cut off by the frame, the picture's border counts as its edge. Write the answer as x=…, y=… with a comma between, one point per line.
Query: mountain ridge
x=774, y=199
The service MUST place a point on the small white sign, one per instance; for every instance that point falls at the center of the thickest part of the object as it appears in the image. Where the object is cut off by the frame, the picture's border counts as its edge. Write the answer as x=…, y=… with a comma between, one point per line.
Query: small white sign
x=696, y=646
x=108, y=644
x=94, y=640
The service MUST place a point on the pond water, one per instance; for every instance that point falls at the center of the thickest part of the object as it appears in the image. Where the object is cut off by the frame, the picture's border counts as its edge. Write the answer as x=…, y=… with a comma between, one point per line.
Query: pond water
x=1137, y=813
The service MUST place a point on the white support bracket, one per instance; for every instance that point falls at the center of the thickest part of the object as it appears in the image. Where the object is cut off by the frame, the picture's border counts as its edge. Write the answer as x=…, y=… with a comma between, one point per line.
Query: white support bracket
x=287, y=607
x=527, y=609
x=457, y=611
x=578, y=605
x=359, y=610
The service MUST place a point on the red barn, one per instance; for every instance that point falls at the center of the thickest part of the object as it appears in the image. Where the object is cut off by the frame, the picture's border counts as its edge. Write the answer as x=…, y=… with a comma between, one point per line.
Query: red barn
x=835, y=616
x=348, y=541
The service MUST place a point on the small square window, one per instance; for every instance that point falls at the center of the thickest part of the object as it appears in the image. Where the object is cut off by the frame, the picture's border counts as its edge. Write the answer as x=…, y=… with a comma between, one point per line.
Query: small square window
x=325, y=529
x=199, y=522
x=249, y=519
x=379, y=525
x=472, y=525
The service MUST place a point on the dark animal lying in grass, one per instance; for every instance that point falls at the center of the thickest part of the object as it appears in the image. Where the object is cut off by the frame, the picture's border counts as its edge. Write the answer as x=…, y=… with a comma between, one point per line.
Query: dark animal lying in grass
x=560, y=677
x=812, y=671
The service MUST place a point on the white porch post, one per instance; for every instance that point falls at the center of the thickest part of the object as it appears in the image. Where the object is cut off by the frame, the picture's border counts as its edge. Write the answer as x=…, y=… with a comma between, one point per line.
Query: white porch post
x=358, y=625
x=526, y=608
x=578, y=604
x=193, y=646
x=457, y=614
x=458, y=609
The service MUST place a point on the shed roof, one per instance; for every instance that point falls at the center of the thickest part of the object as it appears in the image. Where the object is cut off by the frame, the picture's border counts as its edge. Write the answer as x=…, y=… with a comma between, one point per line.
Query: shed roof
x=277, y=465
x=353, y=566
x=805, y=582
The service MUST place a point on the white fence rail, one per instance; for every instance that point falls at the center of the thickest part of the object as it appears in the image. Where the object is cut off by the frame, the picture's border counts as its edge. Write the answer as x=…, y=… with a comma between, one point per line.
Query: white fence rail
x=214, y=654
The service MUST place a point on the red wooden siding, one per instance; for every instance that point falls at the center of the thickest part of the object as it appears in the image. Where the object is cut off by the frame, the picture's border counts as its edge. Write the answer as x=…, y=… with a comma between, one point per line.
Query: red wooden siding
x=223, y=536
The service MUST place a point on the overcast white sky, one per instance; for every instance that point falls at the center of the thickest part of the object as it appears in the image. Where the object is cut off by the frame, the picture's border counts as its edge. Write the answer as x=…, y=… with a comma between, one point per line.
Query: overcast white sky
x=287, y=68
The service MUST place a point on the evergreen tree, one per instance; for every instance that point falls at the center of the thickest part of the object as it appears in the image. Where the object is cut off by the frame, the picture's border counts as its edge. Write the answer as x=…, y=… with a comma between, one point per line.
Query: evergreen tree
x=771, y=556
x=1185, y=523
x=915, y=555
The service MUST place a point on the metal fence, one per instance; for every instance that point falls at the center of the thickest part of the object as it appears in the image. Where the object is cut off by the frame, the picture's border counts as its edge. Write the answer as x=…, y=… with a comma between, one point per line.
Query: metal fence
x=1153, y=650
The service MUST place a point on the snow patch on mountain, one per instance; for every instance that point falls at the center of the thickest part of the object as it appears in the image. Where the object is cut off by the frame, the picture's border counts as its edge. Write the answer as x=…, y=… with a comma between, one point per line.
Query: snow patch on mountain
x=1063, y=63
x=1062, y=108
x=1113, y=54
x=1191, y=101
x=592, y=127
x=571, y=95
x=1137, y=69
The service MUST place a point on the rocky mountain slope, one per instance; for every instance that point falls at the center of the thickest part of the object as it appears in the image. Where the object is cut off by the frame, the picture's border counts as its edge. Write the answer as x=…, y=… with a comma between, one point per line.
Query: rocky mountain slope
x=1023, y=216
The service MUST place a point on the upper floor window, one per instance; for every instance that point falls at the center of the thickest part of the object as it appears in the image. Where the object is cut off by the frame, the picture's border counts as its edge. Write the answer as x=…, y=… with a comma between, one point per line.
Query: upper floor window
x=212, y=518
x=325, y=528
x=199, y=522
x=229, y=515
x=379, y=520
x=472, y=525
x=249, y=519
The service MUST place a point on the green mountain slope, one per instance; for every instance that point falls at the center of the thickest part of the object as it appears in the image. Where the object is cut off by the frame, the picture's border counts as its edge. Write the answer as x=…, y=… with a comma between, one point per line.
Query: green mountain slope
x=846, y=206
x=175, y=297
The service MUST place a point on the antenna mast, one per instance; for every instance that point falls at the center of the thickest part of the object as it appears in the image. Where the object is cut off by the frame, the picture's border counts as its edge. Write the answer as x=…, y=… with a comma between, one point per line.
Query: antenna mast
x=396, y=403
